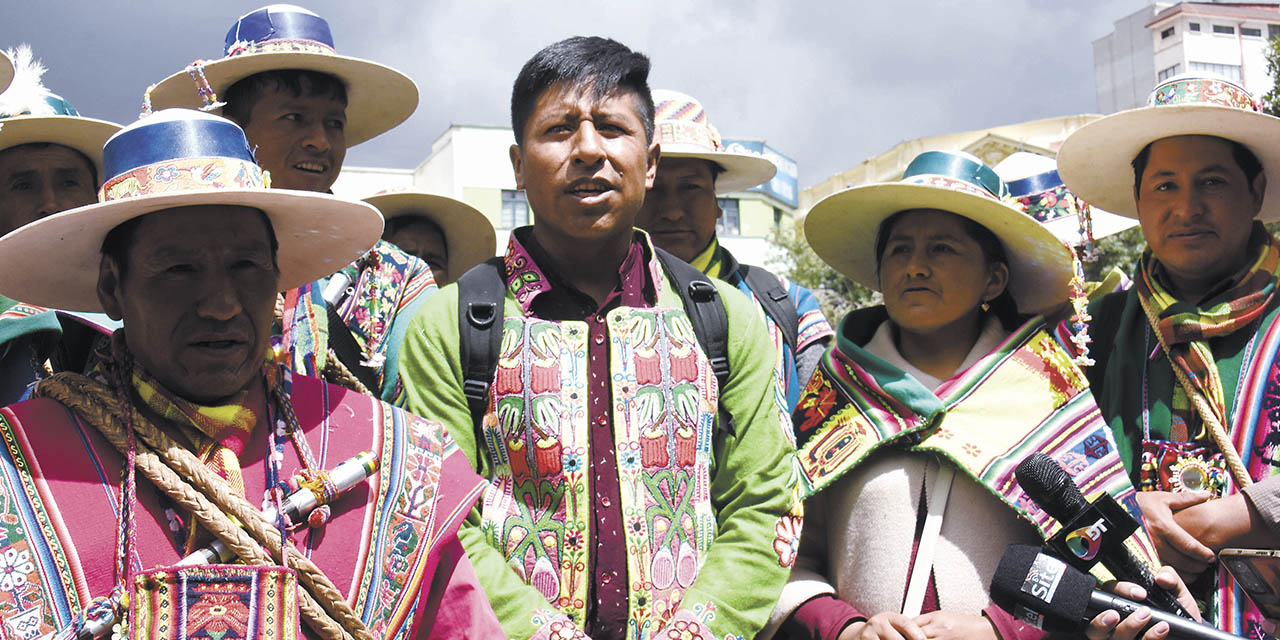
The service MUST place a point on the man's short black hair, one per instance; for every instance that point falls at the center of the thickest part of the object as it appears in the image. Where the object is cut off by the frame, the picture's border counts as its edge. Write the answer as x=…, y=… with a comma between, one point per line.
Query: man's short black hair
x=599, y=65
x=1245, y=159
x=241, y=96
x=397, y=223
x=116, y=245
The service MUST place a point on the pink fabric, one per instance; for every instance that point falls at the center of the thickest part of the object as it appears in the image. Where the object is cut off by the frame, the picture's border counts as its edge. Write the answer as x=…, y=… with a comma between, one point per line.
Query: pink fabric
x=821, y=618
x=455, y=606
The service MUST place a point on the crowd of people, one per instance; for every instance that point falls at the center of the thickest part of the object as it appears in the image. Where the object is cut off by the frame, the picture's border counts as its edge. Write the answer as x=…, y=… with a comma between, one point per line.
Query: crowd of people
x=236, y=405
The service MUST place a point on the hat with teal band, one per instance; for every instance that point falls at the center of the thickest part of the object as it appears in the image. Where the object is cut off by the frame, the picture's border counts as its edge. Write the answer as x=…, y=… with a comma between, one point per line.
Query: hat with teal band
x=1035, y=184
x=1095, y=161
x=283, y=36
x=842, y=228
x=30, y=113
x=170, y=159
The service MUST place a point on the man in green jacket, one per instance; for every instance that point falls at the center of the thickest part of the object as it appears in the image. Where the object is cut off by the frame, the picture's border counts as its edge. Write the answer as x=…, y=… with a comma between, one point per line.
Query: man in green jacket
x=621, y=504
x=1186, y=359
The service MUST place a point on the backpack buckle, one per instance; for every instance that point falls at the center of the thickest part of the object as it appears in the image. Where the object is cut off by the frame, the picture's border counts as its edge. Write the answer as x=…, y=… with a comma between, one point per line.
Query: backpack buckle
x=481, y=314
x=702, y=291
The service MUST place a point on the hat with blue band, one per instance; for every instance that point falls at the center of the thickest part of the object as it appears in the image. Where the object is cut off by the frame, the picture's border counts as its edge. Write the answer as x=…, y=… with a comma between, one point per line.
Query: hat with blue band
x=280, y=37
x=842, y=228
x=30, y=113
x=1095, y=161
x=1034, y=183
x=179, y=158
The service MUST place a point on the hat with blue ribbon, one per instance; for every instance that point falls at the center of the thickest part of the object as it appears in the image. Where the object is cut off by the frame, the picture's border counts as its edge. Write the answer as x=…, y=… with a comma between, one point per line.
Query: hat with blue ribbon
x=1095, y=161
x=1034, y=183
x=179, y=158
x=283, y=36
x=6, y=71
x=842, y=228
x=682, y=128
x=31, y=113
x=468, y=233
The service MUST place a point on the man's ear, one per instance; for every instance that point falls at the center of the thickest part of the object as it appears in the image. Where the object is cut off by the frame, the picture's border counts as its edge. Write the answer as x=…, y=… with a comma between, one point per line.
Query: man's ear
x=1259, y=191
x=109, y=288
x=517, y=164
x=655, y=155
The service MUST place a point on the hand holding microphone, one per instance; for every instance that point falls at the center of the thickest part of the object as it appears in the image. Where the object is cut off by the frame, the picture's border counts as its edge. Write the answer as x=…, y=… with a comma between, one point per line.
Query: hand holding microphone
x=1091, y=532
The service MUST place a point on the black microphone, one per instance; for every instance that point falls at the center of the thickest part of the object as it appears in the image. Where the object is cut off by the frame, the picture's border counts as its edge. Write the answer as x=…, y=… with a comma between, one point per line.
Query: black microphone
x=1091, y=532
x=1043, y=591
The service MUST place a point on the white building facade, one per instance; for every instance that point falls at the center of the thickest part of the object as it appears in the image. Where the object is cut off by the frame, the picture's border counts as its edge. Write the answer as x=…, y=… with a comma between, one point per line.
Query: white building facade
x=1165, y=39
x=472, y=163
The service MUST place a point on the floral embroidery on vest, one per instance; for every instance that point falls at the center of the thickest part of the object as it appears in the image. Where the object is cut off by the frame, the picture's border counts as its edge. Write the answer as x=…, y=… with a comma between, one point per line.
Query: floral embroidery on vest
x=663, y=401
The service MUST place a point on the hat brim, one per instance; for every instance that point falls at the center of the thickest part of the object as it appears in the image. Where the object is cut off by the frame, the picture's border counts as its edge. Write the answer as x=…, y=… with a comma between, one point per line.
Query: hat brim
x=378, y=97
x=842, y=230
x=54, y=262
x=6, y=71
x=741, y=171
x=467, y=231
x=85, y=135
x=1095, y=162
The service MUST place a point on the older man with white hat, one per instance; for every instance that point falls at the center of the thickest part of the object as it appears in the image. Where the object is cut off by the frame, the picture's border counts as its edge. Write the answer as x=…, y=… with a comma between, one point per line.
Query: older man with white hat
x=189, y=249
x=680, y=214
x=1186, y=358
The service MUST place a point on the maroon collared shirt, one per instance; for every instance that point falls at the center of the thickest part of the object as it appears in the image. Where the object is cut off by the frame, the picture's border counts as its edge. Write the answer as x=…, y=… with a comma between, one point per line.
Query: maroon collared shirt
x=608, y=596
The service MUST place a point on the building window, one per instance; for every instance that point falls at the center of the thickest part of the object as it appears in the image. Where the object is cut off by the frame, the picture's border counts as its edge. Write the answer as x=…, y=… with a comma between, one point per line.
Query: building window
x=1166, y=33
x=1194, y=26
x=1222, y=28
x=728, y=224
x=1273, y=31
x=1251, y=32
x=1170, y=72
x=515, y=209
x=1228, y=71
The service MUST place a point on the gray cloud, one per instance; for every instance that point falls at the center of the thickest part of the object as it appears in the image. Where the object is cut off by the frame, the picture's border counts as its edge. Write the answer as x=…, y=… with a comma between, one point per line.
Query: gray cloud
x=828, y=83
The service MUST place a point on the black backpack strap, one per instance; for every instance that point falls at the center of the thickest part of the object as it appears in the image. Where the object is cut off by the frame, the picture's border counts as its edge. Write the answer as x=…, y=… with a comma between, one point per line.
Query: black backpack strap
x=344, y=346
x=709, y=319
x=775, y=301
x=481, y=292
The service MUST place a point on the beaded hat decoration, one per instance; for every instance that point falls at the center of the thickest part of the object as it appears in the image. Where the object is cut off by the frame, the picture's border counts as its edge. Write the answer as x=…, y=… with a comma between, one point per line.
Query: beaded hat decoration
x=1095, y=161
x=178, y=158
x=30, y=113
x=842, y=227
x=683, y=130
x=283, y=36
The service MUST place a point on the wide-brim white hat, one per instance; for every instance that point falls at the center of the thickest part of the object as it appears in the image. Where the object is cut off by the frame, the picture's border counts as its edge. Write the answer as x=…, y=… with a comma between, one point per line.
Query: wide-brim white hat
x=54, y=262
x=468, y=233
x=6, y=71
x=1033, y=180
x=1095, y=161
x=683, y=130
x=282, y=37
x=842, y=228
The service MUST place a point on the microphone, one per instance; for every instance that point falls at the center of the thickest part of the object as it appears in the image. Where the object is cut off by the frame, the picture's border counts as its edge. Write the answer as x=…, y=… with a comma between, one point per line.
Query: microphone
x=1091, y=532
x=1044, y=591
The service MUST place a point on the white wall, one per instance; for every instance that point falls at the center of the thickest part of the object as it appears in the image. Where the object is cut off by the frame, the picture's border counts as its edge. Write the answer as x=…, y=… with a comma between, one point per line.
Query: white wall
x=1123, y=63
x=362, y=182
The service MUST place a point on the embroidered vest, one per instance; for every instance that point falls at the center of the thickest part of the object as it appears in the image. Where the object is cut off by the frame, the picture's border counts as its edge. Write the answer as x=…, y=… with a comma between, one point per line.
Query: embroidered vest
x=537, y=509
x=389, y=532
x=857, y=404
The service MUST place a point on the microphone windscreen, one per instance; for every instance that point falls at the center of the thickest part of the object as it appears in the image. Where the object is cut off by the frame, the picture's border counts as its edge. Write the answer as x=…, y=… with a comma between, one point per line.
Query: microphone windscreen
x=1044, y=481
x=1041, y=590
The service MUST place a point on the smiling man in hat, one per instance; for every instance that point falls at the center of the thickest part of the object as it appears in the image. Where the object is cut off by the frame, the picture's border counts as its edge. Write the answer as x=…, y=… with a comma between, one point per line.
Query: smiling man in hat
x=50, y=160
x=622, y=503
x=189, y=248
x=1185, y=372
x=302, y=104
x=449, y=235
x=680, y=214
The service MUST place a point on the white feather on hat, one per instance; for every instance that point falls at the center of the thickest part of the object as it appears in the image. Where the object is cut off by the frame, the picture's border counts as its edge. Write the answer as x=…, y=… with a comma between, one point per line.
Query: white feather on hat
x=27, y=94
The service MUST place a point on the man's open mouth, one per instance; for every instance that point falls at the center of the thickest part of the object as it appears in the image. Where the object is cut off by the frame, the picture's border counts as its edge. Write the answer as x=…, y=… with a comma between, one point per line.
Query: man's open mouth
x=310, y=167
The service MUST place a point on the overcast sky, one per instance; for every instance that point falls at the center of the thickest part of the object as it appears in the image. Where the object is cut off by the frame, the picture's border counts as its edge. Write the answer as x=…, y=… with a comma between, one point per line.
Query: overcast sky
x=828, y=83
